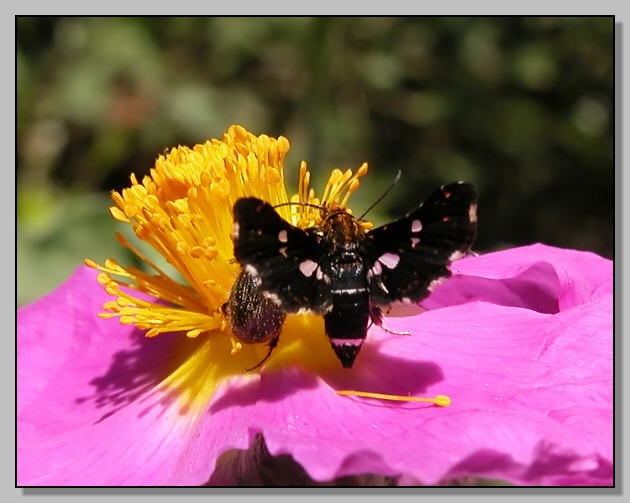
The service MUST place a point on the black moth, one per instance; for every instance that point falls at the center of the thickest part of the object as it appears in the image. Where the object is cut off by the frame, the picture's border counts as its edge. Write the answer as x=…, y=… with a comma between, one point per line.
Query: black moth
x=345, y=273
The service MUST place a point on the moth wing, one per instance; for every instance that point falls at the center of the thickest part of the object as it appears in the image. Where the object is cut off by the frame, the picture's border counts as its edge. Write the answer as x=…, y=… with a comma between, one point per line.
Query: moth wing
x=409, y=256
x=284, y=259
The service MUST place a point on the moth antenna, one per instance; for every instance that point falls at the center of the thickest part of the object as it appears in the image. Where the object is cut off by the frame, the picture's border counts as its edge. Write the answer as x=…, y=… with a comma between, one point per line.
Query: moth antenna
x=383, y=195
x=298, y=203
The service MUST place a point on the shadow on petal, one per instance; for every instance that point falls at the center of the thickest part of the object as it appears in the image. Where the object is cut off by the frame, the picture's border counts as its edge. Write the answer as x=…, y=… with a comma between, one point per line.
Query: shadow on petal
x=482, y=463
x=550, y=466
x=271, y=387
x=376, y=372
x=537, y=289
x=138, y=370
x=552, y=461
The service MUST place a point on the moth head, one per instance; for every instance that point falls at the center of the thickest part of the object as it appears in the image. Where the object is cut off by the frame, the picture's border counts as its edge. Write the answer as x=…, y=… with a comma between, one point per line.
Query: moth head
x=333, y=214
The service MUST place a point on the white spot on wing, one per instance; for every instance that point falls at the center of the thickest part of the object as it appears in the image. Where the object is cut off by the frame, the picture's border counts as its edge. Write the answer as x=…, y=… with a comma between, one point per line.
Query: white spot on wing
x=472, y=213
x=283, y=251
x=389, y=260
x=273, y=298
x=381, y=286
x=416, y=226
x=414, y=242
x=282, y=236
x=251, y=270
x=435, y=283
x=376, y=268
x=308, y=267
x=456, y=255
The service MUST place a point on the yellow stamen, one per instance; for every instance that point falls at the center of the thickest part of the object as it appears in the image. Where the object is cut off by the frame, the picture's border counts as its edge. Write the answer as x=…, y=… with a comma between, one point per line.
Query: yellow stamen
x=236, y=346
x=183, y=210
x=338, y=189
x=441, y=400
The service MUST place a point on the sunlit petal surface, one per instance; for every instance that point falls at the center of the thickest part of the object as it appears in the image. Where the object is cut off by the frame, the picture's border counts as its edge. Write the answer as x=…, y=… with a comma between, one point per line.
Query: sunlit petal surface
x=521, y=340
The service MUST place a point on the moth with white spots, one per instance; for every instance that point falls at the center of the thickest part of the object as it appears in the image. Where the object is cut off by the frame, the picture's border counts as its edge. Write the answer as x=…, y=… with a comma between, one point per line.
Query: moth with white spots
x=346, y=273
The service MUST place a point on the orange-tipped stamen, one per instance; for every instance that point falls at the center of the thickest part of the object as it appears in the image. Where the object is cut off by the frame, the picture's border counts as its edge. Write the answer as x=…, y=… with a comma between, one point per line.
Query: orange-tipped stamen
x=440, y=400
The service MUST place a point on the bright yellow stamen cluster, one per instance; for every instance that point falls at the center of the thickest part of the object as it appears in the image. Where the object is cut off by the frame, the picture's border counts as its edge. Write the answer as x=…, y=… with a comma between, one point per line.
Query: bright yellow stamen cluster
x=183, y=209
x=340, y=186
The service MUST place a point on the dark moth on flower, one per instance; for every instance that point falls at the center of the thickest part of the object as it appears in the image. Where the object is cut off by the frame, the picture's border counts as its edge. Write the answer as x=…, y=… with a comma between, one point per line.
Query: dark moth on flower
x=346, y=273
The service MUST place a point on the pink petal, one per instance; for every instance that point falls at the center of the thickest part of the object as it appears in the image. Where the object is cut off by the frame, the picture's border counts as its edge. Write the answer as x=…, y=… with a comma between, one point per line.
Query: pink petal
x=581, y=276
x=523, y=393
x=527, y=361
x=88, y=409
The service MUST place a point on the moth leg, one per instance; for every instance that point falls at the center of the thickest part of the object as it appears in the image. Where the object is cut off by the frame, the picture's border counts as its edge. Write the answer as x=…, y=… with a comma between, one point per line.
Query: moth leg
x=376, y=317
x=272, y=345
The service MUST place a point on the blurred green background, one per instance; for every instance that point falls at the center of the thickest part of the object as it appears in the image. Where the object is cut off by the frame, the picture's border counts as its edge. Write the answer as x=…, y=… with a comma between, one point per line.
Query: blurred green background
x=520, y=106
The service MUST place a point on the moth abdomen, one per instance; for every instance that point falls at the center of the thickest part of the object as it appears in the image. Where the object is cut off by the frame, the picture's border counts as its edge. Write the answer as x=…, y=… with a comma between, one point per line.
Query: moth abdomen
x=346, y=324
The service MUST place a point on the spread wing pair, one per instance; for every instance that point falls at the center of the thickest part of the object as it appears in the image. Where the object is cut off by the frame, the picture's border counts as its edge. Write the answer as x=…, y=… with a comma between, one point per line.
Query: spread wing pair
x=402, y=258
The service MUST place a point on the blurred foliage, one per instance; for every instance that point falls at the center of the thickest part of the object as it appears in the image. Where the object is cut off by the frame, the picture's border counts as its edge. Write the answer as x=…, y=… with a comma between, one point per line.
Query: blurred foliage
x=520, y=106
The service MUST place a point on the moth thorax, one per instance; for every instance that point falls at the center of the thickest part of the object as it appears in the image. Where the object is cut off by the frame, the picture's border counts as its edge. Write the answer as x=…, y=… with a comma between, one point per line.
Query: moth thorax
x=342, y=230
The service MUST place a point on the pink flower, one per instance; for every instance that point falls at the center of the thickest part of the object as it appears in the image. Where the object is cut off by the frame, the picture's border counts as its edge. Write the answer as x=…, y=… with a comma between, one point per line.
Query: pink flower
x=521, y=340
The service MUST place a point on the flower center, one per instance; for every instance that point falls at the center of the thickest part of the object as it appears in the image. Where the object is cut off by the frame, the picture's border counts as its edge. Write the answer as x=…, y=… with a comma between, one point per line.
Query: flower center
x=183, y=210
